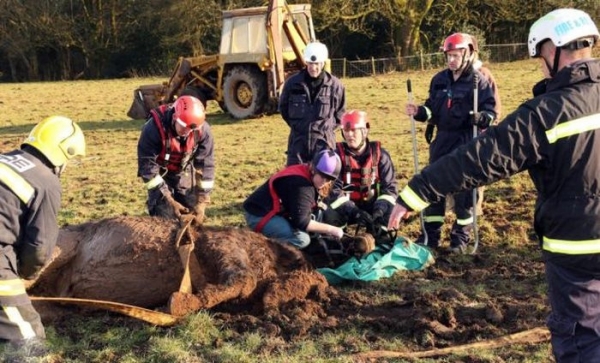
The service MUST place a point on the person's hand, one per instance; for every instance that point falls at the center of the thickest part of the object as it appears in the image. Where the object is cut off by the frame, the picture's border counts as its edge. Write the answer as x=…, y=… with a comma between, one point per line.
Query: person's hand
x=335, y=232
x=363, y=218
x=177, y=208
x=398, y=213
x=200, y=208
x=481, y=119
x=411, y=109
x=429, y=130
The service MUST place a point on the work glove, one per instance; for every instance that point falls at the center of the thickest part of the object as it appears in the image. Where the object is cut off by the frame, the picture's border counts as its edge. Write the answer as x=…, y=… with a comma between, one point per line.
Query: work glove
x=362, y=217
x=429, y=131
x=481, y=119
x=200, y=208
x=177, y=208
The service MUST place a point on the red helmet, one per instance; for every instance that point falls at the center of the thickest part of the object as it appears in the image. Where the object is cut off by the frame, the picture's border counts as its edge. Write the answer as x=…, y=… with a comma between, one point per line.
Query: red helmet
x=355, y=119
x=189, y=112
x=458, y=41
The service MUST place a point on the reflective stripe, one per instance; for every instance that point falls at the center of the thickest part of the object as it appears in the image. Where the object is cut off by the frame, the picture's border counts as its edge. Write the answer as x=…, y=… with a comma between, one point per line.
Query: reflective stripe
x=341, y=200
x=14, y=316
x=16, y=183
x=207, y=184
x=464, y=222
x=428, y=112
x=433, y=219
x=412, y=199
x=568, y=247
x=387, y=198
x=12, y=287
x=574, y=127
x=154, y=182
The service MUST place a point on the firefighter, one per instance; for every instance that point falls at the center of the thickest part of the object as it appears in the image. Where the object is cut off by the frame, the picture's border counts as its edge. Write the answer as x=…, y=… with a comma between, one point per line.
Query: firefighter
x=555, y=136
x=30, y=191
x=366, y=190
x=449, y=107
x=285, y=207
x=312, y=103
x=175, y=159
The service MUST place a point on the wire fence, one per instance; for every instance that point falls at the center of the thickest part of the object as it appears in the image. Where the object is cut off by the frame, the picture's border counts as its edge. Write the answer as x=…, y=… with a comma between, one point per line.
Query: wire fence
x=494, y=53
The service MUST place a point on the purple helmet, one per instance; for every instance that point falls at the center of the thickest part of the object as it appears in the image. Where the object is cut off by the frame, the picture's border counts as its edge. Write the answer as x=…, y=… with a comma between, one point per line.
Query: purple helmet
x=328, y=163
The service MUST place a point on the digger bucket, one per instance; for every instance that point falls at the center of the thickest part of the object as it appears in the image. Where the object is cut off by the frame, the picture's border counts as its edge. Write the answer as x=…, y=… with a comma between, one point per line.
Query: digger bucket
x=146, y=98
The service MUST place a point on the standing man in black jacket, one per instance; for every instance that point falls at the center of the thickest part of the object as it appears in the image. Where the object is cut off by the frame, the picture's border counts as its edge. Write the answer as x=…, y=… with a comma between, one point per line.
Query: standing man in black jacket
x=312, y=103
x=555, y=137
x=30, y=192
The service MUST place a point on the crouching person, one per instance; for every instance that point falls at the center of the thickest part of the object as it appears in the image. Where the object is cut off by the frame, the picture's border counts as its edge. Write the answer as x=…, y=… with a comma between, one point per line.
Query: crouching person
x=283, y=207
x=30, y=192
x=366, y=191
x=175, y=159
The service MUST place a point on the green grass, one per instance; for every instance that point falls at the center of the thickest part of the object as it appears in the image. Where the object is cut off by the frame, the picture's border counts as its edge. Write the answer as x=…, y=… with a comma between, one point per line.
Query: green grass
x=104, y=184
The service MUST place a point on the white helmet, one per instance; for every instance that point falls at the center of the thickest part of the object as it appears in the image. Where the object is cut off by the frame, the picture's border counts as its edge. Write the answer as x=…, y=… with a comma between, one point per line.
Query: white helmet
x=315, y=53
x=561, y=26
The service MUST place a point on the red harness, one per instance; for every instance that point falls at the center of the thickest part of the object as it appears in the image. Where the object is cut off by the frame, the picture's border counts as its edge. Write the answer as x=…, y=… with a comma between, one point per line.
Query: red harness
x=173, y=154
x=359, y=180
x=299, y=170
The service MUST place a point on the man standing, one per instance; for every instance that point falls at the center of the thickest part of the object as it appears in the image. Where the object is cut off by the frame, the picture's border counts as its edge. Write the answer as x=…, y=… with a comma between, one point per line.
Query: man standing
x=30, y=192
x=555, y=137
x=449, y=108
x=175, y=159
x=367, y=189
x=312, y=103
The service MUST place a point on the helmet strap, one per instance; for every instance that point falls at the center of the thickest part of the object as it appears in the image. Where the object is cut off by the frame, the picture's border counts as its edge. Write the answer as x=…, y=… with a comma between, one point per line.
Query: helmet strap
x=554, y=68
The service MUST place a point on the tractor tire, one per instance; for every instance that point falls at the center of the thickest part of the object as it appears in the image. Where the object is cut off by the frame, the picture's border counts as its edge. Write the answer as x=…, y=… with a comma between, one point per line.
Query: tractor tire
x=245, y=92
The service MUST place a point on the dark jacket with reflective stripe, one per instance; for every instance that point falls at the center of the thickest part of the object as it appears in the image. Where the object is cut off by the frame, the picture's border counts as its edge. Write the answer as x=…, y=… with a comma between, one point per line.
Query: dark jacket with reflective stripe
x=28, y=232
x=451, y=104
x=151, y=145
x=312, y=121
x=556, y=138
x=297, y=194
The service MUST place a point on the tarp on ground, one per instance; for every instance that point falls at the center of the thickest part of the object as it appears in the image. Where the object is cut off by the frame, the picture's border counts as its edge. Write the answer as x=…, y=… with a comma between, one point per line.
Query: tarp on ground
x=380, y=263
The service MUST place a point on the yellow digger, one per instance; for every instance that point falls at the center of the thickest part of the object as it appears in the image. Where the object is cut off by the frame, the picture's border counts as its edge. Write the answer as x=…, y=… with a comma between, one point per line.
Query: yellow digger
x=260, y=47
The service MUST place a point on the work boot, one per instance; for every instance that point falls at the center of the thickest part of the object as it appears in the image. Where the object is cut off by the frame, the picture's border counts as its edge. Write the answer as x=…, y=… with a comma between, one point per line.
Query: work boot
x=434, y=233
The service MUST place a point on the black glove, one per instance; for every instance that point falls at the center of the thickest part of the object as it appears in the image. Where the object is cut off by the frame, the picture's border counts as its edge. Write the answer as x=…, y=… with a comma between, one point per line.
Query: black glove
x=429, y=130
x=481, y=119
x=378, y=218
x=363, y=218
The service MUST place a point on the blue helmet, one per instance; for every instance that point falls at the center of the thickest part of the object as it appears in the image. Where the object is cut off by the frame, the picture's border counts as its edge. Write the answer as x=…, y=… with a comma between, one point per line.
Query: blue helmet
x=328, y=163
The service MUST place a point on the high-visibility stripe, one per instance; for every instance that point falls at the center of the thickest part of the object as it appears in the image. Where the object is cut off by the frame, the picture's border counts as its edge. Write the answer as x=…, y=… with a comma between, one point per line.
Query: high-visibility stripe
x=154, y=182
x=574, y=127
x=341, y=200
x=428, y=112
x=568, y=247
x=12, y=287
x=14, y=316
x=388, y=198
x=464, y=222
x=207, y=184
x=16, y=183
x=412, y=199
x=433, y=219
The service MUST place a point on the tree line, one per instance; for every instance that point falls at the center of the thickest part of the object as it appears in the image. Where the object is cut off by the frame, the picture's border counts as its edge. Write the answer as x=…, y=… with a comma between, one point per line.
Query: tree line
x=47, y=40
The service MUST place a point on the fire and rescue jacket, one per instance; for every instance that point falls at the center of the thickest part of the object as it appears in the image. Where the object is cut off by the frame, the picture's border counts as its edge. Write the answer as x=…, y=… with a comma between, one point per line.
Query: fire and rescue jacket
x=449, y=107
x=30, y=193
x=161, y=151
x=556, y=138
x=367, y=180
x=312, y=120
x=289, y=193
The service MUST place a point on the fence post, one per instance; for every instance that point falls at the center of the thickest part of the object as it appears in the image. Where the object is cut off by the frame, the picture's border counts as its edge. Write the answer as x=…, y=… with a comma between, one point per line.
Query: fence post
x=421, y=60
x=373, y=66
x=344, y=68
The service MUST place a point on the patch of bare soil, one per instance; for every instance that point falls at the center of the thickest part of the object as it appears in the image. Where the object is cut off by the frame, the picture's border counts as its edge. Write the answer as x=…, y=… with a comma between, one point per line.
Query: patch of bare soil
x=253, y=283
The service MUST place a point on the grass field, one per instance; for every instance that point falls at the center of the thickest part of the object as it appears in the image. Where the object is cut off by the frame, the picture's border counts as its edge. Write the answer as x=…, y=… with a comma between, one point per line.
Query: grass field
x=103, y=184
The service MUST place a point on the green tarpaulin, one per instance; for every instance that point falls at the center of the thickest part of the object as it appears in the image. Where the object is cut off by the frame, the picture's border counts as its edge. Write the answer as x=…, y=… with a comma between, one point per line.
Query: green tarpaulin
x=381, y=263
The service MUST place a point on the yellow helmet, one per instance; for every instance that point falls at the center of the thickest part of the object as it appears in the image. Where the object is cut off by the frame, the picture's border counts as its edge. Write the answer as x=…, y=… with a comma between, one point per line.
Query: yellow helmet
x=58, y=138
